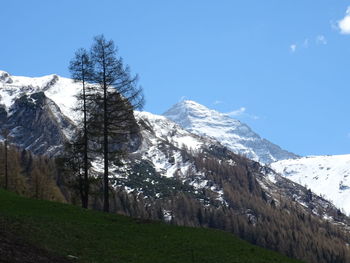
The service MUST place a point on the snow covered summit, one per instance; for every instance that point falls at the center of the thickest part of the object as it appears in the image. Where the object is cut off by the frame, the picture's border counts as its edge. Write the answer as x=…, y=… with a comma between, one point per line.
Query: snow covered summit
x=232, y=133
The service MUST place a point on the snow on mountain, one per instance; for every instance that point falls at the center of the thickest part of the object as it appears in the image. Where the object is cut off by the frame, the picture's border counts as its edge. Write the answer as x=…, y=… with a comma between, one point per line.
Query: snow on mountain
x=170, y=131
x=165, y=145
x=163, y=155
x=194, y=117
x=328, y=176
x=235, y=135
x=159, y=134
x=59, y=89
x=59, y=98
x=38, y=111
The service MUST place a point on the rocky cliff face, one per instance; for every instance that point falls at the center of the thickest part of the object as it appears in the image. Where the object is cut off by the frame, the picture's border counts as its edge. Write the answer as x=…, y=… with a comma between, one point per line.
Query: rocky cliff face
x=35, y=111
x=37, y=124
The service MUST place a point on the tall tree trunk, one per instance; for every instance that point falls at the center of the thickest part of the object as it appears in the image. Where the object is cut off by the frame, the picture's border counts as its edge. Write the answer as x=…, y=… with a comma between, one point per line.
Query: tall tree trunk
x=81, y=70
x=81, y=191
x=6, y=168
x=105, y=143
x=85, y=195
x=117, y=103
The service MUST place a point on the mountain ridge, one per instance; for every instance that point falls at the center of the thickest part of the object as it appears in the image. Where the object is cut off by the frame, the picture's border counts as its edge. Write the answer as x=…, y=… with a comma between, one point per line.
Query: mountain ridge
x=232, y=133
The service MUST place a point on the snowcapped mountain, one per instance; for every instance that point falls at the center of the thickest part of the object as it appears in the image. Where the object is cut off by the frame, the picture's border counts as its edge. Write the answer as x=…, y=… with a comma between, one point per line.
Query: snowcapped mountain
x=162, y=149
x=328, y=176
x=38, y=111
x=58, y=96
x=58, y=89
x=186, y=176
x=235, y=135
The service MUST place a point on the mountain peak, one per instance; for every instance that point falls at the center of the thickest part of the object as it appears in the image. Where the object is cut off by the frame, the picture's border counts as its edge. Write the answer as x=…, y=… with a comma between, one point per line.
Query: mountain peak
x=232, y=133
x=188, y=112
x=188, y=106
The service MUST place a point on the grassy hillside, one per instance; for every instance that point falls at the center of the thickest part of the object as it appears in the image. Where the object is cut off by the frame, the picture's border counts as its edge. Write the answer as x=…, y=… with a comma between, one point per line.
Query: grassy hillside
x=93, y=236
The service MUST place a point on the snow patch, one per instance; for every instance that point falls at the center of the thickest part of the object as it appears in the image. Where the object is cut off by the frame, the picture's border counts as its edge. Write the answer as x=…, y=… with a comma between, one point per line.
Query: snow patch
x=327, y=176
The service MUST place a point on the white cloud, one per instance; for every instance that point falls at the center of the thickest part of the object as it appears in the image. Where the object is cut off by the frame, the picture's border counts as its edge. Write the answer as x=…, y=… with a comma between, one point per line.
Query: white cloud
x=216, y=102
x=308, y=43
x=293, y=48
x=344, y=24
x=242, y=112
x=321, y=40
x=238, y=112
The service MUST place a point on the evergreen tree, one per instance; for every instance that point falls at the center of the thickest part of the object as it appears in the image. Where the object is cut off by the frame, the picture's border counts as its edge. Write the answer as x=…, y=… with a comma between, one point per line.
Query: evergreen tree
x=81, y=70
x=117, y=95
x=72, y=163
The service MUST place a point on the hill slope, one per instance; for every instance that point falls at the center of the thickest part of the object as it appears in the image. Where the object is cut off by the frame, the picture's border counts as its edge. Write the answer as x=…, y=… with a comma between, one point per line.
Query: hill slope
x=97, y=237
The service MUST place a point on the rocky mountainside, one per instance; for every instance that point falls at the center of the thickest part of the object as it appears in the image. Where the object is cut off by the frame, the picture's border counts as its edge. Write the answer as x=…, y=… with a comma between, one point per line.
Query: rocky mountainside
x=327, y=176
x=204, y=184
x=171, y=152
x=38, y=111
x=175, y=175
x=233, y=134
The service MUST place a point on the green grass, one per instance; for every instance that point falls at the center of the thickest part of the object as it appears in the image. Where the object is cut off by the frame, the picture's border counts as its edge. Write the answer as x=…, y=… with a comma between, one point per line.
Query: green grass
x=99, y=237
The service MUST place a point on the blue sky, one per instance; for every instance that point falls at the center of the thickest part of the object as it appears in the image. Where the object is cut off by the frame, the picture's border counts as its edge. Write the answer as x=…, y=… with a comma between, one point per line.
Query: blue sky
x=282, y=67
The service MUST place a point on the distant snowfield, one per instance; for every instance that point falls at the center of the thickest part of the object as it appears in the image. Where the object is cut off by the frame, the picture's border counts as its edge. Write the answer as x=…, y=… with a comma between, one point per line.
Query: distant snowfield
x=328, y=176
